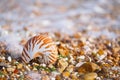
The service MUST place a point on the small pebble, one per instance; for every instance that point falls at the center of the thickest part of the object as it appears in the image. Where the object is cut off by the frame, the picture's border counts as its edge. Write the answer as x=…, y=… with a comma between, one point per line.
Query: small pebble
x=90, y=76
x=9, y=59
x=19, y=66
x=10, y=69
x=66, y=74
x=62, y=64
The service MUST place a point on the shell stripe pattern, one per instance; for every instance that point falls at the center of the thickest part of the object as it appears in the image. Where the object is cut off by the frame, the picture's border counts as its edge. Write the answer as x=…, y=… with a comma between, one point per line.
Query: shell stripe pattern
x=40, y=45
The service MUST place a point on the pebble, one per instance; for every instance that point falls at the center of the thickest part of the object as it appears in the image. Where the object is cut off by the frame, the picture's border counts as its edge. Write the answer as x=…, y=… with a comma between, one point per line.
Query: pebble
x=88, y=67
x=66, y=74
x=62, y=64
x=73, y=76
x=9, y=59
x=10, y=69
x=63, y=52
x=19, y=66
x=58, y=77
x=90, y=76
x=70, y=68
x=27, y=68
x=2, y=58
x=34, y=69
x=45, y=78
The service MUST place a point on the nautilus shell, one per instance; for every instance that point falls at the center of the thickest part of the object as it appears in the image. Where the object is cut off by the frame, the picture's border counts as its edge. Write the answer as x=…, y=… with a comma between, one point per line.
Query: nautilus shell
x=40, y=46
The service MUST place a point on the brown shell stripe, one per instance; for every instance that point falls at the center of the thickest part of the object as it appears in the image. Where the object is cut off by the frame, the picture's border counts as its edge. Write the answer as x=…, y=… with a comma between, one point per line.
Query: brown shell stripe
x=40, y=38
x=52, y=57
x=43, y=42
x=25, y=56
x=33, y=41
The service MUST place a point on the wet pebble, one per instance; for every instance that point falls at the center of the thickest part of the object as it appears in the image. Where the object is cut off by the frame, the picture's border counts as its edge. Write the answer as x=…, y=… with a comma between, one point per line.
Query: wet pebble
x=62, y=64
x=88, y=67
x=10, y=69
x=90, y=76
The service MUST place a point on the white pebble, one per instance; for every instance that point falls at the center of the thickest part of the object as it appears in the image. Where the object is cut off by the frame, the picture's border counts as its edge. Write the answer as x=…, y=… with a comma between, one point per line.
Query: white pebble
x=44, y=65
x=27, y=68
x=9, y=59
x=2, y=58
x=81, y=57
